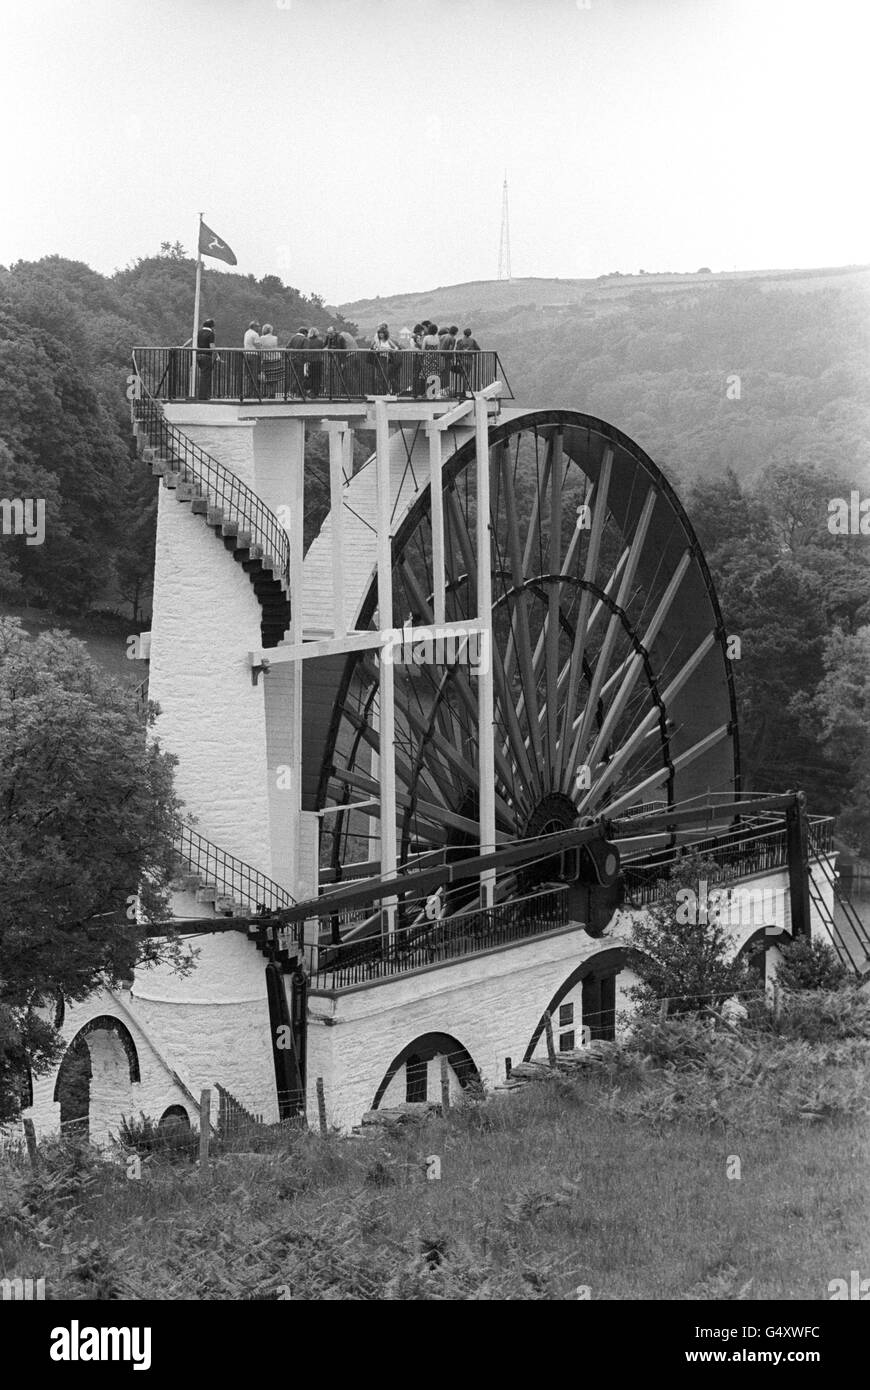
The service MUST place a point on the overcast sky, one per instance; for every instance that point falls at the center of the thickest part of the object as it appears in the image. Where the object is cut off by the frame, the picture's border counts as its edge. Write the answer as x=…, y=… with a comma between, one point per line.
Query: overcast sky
x=358, y=147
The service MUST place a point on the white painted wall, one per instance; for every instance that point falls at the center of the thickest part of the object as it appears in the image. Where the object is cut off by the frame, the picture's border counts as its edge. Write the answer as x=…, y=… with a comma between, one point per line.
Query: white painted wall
x=206, y=620
x=489, y=1003
x=190, y=1032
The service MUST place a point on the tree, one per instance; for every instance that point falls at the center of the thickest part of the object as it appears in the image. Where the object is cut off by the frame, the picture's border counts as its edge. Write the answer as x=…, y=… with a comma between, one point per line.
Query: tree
x=809, y=964
x=840, y=711
x=682, y=951
x=87, y=820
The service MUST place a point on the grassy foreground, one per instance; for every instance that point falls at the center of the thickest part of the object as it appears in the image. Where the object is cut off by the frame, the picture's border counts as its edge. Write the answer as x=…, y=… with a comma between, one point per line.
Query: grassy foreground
x=612, y=1183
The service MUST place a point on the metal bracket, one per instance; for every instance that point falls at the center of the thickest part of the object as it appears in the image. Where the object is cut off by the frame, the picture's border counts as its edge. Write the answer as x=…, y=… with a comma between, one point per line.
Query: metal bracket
x=255, y=670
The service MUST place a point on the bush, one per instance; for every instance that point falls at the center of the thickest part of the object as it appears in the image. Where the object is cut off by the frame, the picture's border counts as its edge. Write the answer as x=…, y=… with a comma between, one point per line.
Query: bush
x=808, y=964
x=148, y=1137
x=682, y=950
x=824, y=1016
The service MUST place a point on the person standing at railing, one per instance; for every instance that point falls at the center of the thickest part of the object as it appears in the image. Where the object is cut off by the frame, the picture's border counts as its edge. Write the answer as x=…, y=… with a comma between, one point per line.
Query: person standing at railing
x=205, y=358
x=294, y=366
x=314, y=361
x=464, y=371
x=270, y=359
x=386, y=361
x=430, y=346
x=251, y=341
x=334, y=370
x=467, y=343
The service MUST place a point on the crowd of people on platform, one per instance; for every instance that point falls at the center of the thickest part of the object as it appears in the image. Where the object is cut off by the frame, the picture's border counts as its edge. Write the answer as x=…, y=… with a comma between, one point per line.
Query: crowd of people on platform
x=268, y=372
x=423, y=337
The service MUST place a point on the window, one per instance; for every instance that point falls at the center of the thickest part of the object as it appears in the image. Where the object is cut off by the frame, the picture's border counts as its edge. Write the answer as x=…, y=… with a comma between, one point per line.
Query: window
x=566, y=1041
x=566, y=1015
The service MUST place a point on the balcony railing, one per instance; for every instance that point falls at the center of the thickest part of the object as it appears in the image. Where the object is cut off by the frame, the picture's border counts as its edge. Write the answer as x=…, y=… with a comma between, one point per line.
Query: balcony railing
x=411, y=948
x=229, y=374
x=755, y=848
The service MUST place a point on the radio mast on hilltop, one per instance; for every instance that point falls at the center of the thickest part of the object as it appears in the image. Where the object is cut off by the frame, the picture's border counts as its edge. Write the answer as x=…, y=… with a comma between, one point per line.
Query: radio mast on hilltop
x=504, y=246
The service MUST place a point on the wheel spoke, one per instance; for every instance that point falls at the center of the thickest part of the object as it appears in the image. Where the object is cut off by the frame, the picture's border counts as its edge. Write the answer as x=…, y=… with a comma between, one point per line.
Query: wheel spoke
x=575, y=670
x=520, y=620
x=603, y=663
x=634, y=740
x=636, y=662
x=555, y=596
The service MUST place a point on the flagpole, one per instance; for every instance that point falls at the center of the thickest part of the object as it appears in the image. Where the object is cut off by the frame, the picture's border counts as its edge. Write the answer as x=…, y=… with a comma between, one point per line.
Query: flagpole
x=196, y=298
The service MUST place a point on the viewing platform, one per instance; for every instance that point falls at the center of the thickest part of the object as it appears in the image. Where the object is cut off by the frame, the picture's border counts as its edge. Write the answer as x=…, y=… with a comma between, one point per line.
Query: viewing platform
x=300, y=376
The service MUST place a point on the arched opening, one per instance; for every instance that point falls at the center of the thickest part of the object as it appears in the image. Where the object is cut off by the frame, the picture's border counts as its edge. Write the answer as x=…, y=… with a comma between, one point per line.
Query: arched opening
x=73, y=1089
x=755, y=951
x=419, y=1077
x=118, y=1066
x=174, y=1117
x=593, y=986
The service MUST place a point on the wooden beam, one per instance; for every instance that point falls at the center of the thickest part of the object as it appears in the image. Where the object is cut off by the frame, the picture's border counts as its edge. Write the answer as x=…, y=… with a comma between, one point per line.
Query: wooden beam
x=485, y=698
x=386, y=669
x=337, y=430
x=436, y=509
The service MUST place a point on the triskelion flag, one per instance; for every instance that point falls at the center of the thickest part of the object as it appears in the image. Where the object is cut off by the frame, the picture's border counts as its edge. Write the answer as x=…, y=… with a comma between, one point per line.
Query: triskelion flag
x=211, y=245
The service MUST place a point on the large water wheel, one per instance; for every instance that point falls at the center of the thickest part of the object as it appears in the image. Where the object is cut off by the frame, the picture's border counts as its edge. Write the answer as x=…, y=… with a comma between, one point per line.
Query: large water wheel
x=612, y=686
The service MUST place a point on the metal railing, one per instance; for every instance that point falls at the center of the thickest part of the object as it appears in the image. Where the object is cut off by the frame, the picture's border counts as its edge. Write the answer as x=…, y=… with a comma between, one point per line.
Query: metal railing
x=450, y=939
x=854, y=954
x=231, y=876
x=298, y=374
x=223, y=490
x=753, y=848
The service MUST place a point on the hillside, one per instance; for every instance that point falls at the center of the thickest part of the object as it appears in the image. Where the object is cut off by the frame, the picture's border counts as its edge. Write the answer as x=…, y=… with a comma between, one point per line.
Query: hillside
x=477, y=299
x=656, y=355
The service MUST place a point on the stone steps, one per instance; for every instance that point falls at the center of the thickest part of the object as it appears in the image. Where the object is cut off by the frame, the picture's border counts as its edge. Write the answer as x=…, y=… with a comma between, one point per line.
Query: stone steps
x=265, y=571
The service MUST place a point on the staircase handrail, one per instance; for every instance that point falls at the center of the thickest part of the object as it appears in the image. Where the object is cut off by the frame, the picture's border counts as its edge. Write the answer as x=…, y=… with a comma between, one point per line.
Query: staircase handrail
x=239, y=879
x=221, y=484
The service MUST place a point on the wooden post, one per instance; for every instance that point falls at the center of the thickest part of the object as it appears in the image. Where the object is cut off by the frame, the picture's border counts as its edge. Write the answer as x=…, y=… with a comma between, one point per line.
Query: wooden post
x=436, y=505
x=507, y=1068
x=485, y=686
x=387, y=729
x=797, y=849
x=32, y=1150
x=297, y=602
x=663, y=1010
x=445, y=1087
x=204, y=1125
x=551, y=1048
x=337, y=431
x=321, y=1106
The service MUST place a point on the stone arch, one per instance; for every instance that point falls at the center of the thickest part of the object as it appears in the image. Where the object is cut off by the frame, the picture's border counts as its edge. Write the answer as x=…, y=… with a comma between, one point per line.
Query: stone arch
x=72, y=1089
x=604, y=965
x=420, y=1052
x=755, y=948
x=174, y=1115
